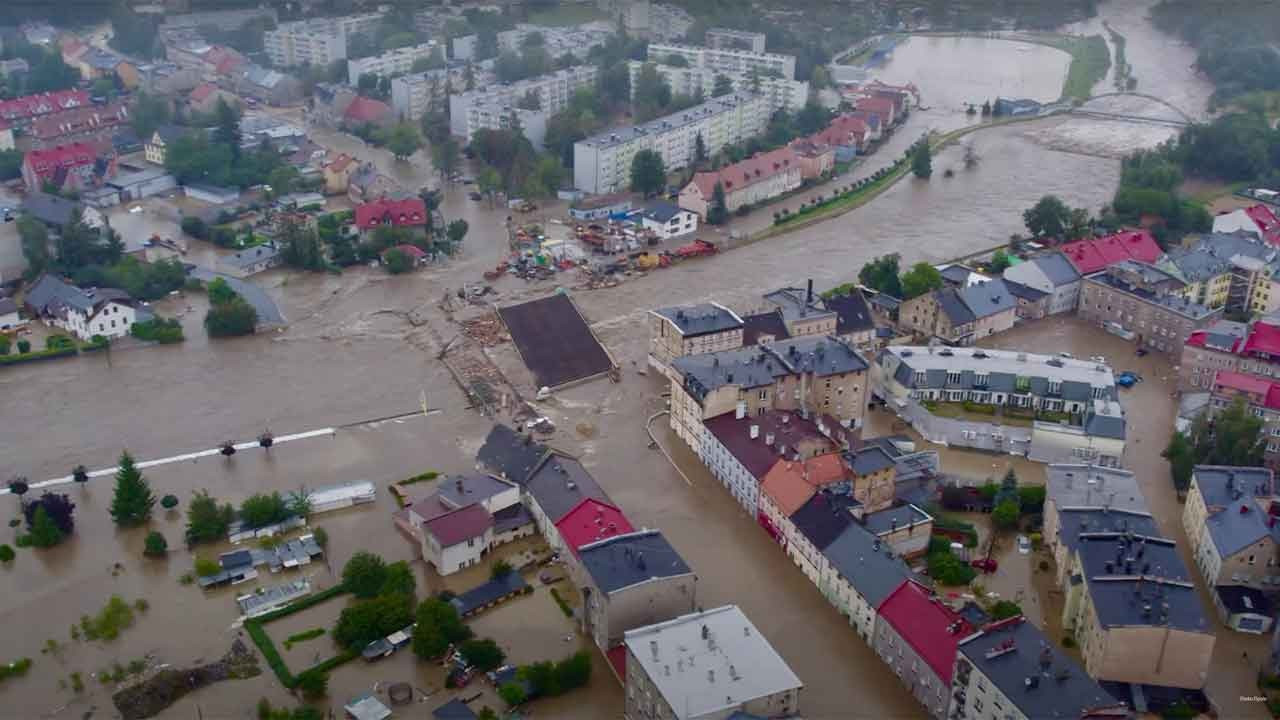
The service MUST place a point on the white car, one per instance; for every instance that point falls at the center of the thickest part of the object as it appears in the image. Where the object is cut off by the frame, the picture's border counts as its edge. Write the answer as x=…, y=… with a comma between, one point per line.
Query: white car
x=1024, y=545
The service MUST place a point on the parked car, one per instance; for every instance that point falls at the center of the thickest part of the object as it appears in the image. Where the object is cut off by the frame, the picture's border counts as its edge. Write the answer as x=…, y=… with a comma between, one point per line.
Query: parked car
x=986, y=565
x=476, y=196
x=1024, y=545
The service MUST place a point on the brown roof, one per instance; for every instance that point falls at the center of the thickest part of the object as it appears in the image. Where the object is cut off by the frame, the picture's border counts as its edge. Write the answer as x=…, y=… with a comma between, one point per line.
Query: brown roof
x=752, y=170
x=788, y=430
x=459, y=525
x=340, y=163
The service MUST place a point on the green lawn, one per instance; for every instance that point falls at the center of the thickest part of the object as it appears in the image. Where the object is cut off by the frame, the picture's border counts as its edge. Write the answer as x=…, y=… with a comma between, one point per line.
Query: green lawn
x=1090, y=60
x=562, y=15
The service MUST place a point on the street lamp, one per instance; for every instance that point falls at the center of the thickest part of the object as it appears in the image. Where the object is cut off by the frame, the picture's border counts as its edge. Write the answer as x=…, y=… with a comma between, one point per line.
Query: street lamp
x=266, y=440
x=228, y=449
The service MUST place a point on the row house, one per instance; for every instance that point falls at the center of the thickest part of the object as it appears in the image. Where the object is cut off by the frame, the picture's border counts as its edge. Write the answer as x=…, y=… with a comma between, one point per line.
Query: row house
x=961, y=315
x=817, y=159
x=21, y=112
x=917, y=636
x=95, y=122
x=1226, y=346
x=1051, y=273
x=1262, y=400
x=755, y=180
x=71, y=167
x=1139, y=298
x=847, y=134
x=691, y=330
x=781, y=93
x=1095, y=254
x=467, y=516
x=1234, y=271
x=740, y=451
x=821, y=375
x=1229, y=523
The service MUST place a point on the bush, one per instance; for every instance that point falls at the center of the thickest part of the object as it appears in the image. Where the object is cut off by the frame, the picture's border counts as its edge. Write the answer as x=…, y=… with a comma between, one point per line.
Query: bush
x=364, y=574
x=500, y=569
x=1004, y=609
x=206, y=566
x=512, y=694
x=313, y=684
x=369, y=620
x=483, y=653
x=107, y=624
x=264, y=509
x=1005, y=516
x=169, y=502
x=155, y=545
x=58, y=342
x=162, y=330
x=947, y=569
x=1068, y=641
x=397, y=261
x=195, y=227
x=15, y=669
x=1044, y=566
x=6, y=554
x=231, y=319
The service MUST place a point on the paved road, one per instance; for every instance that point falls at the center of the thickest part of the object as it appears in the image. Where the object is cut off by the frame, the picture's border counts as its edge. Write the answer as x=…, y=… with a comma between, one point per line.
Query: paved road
x=268, y=312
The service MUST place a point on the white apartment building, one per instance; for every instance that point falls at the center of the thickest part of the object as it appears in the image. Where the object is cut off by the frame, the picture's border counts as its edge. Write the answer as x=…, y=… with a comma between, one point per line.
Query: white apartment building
x=391, y=62
x=730, y=39
x=319, y=41
x=411, y=95
x=554, y=90
x=602, y=164
x=781, y=92
x=492, y=115
x=727, y=61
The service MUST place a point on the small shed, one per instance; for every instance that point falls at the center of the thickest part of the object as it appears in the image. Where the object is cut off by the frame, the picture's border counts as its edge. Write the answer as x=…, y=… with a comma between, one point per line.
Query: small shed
x=366, y=707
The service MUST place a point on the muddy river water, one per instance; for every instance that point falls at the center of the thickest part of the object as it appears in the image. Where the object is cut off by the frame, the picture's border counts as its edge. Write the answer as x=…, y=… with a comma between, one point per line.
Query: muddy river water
x=350, y=359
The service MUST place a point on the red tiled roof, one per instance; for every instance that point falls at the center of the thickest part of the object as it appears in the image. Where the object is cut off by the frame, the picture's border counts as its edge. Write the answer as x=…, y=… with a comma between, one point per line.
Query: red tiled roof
x=591, y=520
x=340, y=163
x=1268, y=390
x=927, y=625
x=1090, y=256
x=840, y=130
x=413, y=251
x=223, y=59
x=755, y=456
x=1263, y=338
x=363, y=109
x=84, y=119
x=810, y=148
x=45, y=163
x=790, y=484
x=617, y=657
x=29, y=106
x=459, y=525
x=400, y=213
x=875, y=104
x=752, y=170
x=200, y=92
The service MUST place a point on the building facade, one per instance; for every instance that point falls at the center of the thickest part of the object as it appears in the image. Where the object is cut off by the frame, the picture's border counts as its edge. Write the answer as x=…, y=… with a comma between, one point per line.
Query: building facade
x=317, y=42
x=1052, y=274
x=630, y=581
x=782, y=93
x=752, y=181
x=391, y=62
x=1251, y=349
x=602, y=163
x=728, y=61
x=553, y=92
x=916, y=635
x=691, y=330
x=1141, y=299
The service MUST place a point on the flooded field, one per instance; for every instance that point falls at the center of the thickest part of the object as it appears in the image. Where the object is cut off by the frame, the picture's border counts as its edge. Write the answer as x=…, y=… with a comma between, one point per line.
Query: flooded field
x=359, y=356
x=943, y=69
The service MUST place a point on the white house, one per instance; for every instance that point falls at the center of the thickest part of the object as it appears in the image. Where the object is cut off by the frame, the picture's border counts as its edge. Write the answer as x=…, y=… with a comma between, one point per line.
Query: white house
x=457, y=539
x=1053, y=274
x=83, y=312
x=668, y=221
x=465, y=518
x=8, y=314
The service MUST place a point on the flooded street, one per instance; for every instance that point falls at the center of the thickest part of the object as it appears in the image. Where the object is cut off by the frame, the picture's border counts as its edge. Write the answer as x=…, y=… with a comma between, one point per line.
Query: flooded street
x=351, y=358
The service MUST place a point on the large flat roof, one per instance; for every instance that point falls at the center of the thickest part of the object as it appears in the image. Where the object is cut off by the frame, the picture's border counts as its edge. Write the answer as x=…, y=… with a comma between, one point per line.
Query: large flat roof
x=1093, y=486
x=710, y=661
x=555, y=341
x=610, y=138
x=700, y=319
x=985, y=360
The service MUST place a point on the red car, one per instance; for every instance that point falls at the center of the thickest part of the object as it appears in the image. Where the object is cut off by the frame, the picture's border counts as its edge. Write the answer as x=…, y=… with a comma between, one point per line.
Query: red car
x=986, y=565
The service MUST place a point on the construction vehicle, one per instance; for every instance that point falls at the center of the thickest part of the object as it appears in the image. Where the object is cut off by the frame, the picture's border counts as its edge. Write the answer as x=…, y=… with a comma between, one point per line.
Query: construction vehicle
x=697, y=248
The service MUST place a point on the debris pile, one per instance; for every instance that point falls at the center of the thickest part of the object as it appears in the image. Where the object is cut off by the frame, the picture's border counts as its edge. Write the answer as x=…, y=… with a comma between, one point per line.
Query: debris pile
x=151, y=696
x=486, y=330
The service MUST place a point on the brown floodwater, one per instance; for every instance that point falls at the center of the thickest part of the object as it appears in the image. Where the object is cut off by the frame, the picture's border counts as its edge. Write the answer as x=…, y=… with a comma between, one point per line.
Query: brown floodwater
x=350, y=359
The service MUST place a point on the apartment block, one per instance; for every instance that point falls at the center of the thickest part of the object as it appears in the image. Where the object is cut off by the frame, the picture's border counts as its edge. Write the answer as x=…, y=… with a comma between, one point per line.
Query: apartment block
x=490, y=114
x=1234, y=270
x=1251, y=349
x=553, y=92
x=318, y=41
x=412, y=95
x=1142, y=299
x=729, y=39
x=781, y=92
x=727, y=61
x=1233, y=538
x=755, y=180
x=1262, y=400
x=391, y=62
x=691, y=330
x=602, y=164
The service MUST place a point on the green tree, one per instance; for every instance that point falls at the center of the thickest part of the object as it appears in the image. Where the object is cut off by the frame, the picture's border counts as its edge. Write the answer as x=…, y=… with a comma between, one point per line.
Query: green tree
x=207, y=521
x=397, y=261
x=6, y=554
x=148, y=113
x=438, y=626
x=648, y=173
x=652, y=95
x=699, y=149
x=1079, y=224
x=1232, y=436
x=500, y=569
x=1004, y=609
x=1005, y=515
x=1182, y=460
x=227, y=130
x=35, y=243
x=574, y=671
x=881, y=274
x=263, y=509
x=445, y=156
x=231, y=319
x=368, y=620
x=723, y=86
x=483, y=653
x=283, y=180
x=718, y=210
x=132, y=502
x=155, y=545
x=10, y=164
x=314, y=684
x=364, y=574
x=300, y=245
x=1048, y=217
x=487, y=713
x=456, y=230
x=404, y=141
x=398, y=580
x=920, y=279
x=999, y=261
x=922, y=161
x=44, y=532
x=220, y=292
x=511, y=693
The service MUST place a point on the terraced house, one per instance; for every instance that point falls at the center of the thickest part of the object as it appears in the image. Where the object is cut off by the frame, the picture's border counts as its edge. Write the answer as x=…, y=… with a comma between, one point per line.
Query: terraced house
x=1262, y=398
x=1235, y=271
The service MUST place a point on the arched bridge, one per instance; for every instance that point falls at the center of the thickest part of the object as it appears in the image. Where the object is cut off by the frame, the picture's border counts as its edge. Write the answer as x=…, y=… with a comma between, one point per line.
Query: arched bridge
x=1185, y=118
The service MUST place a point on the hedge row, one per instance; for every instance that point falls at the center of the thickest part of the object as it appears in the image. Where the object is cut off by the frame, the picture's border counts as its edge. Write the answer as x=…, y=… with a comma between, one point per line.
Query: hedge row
x=303, y=604
x=254, y=626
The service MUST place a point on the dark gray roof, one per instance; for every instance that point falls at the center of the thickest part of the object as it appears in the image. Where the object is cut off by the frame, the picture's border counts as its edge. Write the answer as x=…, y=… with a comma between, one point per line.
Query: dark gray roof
x=251, y=256
x=1057, y=268
x=793, y=303
x=956, y=274
x=1174, y=303
x=1147, y=584
x=953, y=306
x=987, y=298
x=1236, y=526
x=1220, y=484
x=460, y=490
x=701, y=319
x=661, y=211
x=7, y=305
x=1104, y=425
x=170, y=133
x=1029, y=670
x=765, y=323
x=1224, y=334
x=50, y=292
x=1242, y=599
x=1074, y=522
x=888, y=519
x=758, y=366
x=481, y=595
x=852, y=312
x=1025, y=292
x=625, y=560
x=824, y=517
x=455, y=709
x=869, y=459
x=509, y=454
x=560, y=483
x=869, y=565
x=510, y=518
x=50, y=209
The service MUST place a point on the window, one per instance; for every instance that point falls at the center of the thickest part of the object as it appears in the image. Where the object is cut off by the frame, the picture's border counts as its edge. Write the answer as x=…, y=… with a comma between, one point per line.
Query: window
x=953, y=378
x=764, y=394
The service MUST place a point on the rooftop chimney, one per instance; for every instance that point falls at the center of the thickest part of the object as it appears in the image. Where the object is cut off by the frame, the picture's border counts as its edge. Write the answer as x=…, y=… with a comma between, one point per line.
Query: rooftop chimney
x=808, y=297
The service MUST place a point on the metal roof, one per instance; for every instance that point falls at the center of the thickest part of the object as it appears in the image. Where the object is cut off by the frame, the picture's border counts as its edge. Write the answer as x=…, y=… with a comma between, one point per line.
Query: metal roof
x=869, y=459
x=870, y=566
x=890, y=519
x=1093, y=486
x=1146, y=583
x=709, y=662
x=622, y=561
x=953, y=306
x=560, y=483
x=765, y=323
x=1029, y=670
x=509, y=454
x=1002, y=368
x=757, y=366
x=700, y=319
x=1057, y=269
x=987, y=298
